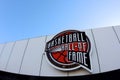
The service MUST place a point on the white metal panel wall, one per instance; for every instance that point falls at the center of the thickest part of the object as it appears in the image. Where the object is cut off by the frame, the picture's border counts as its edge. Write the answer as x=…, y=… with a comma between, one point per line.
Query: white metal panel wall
x=117, y=31
x=94, y=59
x=47, y=69
x=5, y=55
x=33, y=55
x=1, y=48
x=16, y=56
x=108, y=48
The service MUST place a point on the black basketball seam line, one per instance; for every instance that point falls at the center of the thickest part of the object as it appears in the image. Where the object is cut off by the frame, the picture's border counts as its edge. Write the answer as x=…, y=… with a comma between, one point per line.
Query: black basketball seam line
x=64, y=58
x=57, y=58
x=60, y=56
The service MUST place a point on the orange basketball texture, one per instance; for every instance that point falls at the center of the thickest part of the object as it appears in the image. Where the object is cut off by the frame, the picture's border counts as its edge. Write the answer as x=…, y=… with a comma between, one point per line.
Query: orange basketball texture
x=60, y=56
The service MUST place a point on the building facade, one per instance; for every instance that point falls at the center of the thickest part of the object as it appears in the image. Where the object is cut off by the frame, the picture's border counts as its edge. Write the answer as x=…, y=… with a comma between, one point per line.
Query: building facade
x=28, y=57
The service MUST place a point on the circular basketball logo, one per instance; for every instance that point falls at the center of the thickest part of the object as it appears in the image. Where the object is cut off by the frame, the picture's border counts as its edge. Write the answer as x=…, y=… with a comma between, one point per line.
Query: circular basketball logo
x=69, y=50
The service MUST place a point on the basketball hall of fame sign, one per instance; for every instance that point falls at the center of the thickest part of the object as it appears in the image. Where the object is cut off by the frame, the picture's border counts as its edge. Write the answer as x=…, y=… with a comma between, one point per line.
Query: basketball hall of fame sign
x=69, y=50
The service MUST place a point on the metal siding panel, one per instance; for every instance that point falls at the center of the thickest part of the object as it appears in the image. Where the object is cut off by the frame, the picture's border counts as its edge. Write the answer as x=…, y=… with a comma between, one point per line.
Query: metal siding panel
x=49, y=37
x=117, y=30
x=5, y=55
x=33, y=55
x=16, y=56
x=108, y=48
x=78, y=72
x=47, y=69
x=94, y=59
x=1, y=48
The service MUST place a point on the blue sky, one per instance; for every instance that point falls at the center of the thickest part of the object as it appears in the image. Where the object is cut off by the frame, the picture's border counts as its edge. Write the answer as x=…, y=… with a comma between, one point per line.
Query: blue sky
x=21, y=19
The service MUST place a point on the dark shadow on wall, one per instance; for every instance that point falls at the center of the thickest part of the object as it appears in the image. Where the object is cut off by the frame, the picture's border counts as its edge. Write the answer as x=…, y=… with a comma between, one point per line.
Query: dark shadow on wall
x=101, y=76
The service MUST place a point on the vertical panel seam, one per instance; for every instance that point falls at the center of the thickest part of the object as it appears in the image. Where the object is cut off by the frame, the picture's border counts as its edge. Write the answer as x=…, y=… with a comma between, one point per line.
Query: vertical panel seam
x=41, y=64
x=10, y=55
x=23, y=56
x=96, y=50
x=116, y=34
x=42, y=58
x=67, y=73
x=3, y=49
